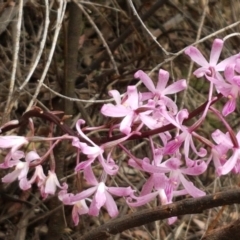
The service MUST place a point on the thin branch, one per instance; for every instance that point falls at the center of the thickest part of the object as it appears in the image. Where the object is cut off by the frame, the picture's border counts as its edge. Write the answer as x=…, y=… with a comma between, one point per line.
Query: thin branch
x=76, y=99
x=195, y=43
x=144, y=26
x=100, y=35
x=124, y=35
x=41, y=47
x=191, y=63
x=15, y=61
x=60, y=16
x=71, y=43
x=231, y=231
x=183, y=207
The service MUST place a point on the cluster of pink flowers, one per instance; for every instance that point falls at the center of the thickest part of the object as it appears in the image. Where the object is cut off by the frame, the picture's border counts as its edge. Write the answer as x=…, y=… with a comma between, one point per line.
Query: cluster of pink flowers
x=168, y=167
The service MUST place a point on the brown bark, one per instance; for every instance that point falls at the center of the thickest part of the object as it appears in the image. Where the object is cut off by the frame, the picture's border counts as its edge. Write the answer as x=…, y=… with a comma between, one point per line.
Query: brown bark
x=183, y=207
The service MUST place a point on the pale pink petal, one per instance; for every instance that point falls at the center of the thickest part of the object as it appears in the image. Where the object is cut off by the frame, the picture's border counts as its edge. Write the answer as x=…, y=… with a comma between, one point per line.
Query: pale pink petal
x=82, y=207
x=147, y=81
x=222, y=65
x=12, y=176
x=125, y=125
x=65, y=197
x=89, y=176
x=12, y=158
x=120, y=191
x=17, y=155
x=111, y=206
x=139, y=201
x=149, y=121
x=145, y=96
x=51, y=183
x=14, y=142
x=132, y=97
x=230, y=164
x=162, y=196
x=196, y=56
x=172, y=163
x=220, y=137
x=135, y=165
x=182, y=115
x=79, y=208
x=94, y=210
x=236, y=81
x=172, y=146
x=75, y=216
x=84, y=164
x=24, y=169
x=116, y=96
x=31, y=156
x=148, y=186
x=200, y=72
x=216, y=51
x=187, y=145
x=154, y=169
x=78, y=127
x=202, y=151
x=38, y=175
x=100, y=195
x=84, y=194
x=163, y=77
x=198, y=168
x=229, y=72
x=175, y=87
x=172, y=220
x=191, y=189
x=111, y=110
x=229, y=107
x=109, y=166
x=92, y=151
x=170, y=104
x=24, y=184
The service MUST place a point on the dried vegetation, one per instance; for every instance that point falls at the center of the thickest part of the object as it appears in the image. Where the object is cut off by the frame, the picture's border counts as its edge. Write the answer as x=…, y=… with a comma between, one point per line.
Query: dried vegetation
x=83, y=49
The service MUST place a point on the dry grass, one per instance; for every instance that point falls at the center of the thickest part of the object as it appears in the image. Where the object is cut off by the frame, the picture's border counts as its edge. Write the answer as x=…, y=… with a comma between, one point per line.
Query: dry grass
x=111, y=45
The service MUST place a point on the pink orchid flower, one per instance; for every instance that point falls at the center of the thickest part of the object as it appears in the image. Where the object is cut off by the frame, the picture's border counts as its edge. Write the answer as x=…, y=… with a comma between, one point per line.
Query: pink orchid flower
x=49, y=186
x=13, y=142
x=131, y=109
x=93, y=152
x=79, y=207
x=211, y=68
x=185, y=137
x=21, y=171
x=232, y=164
x=160, y=91
x=229, y=89
x=102, y=195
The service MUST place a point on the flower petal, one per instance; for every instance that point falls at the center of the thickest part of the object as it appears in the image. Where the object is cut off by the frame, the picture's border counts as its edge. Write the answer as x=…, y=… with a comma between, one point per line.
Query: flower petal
x=125, y=125
x=84, y=194
x=147, y=81
x=229, y=107
x=216, y=51
x=111, y=206
x=191, y=189
x=141, y=200
x=120, y=191
x=163, y=77
x=196, y=56
x=230, y=164
x=111, y=110
x=116, y=95
x=175, y=87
